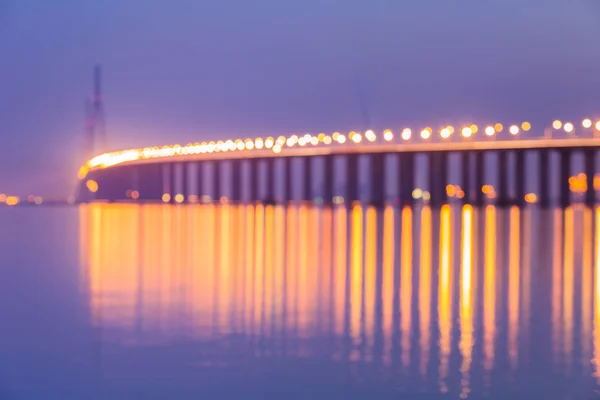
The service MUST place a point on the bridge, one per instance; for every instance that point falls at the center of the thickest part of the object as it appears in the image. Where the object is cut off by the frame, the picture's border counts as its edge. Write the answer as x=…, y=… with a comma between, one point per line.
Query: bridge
x=281, y=169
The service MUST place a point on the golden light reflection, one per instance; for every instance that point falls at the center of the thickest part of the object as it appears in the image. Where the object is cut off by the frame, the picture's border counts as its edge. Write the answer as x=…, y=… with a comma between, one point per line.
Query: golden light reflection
x=514, y=286
x=466, y=294
x=387, y=281
x=340, y=265
x=445, y=297
x=406, y=285
x=370, y=279
x=568, y=286
x=489, y=295
x=557, y=285
x=596, y=345
x=356, y=275
x=586, y=288
x=425, y=290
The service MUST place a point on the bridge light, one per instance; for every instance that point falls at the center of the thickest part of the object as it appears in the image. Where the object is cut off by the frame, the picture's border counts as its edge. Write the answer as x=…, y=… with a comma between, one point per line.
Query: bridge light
x=526, y=126
x=179, y=198
x=557, y=124
x=341, y=139
x=230, y=144
x=335, y=136
x=249, y=144
x=211, y=146
x=514, y=130
x=356, y=138
x=92, y=185
x=269, y=142
x=474, y=128
x=569, y=127
x=259, y=143
x=239, y=144
x=281, y=140
x=314, y=140
x=467, y=132
x=327, y=139
x=321, y=137
x=490, y=131
x=445, y=133
x=277, y=148
x=289, y=142
x=388, y=135
x=587, y=123
x=498, y=127
x=166, y=197
x=406, y=134
x=370, y=135
x=426, y=133
x=302, y=141
x=451, y=129
x=598, y=126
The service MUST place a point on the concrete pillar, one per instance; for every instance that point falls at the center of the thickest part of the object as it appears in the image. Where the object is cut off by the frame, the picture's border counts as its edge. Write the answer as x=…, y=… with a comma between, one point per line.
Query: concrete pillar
x=520, y=178
x=351, y=178
x=185, y=187
x=479, y=177
x=270, y=181
x=565, y=174
x=467, y=184
x=438, y=172
x=590, y=171
x=407, y=176
x=172, y=182
x=253, y=164
x=378, y=179
x=236, y=181
x=306, y=179
x=544, y=177
x=328, y=178
x=200, y=179
x=217, y=187
x=288, y=180
x=502, y=193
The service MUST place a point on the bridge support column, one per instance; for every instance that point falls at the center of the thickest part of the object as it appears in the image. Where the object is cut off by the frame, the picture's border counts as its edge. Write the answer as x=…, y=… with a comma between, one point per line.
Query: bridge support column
x=438, y=172
x=503, y=196
x=479, y=178
x=185, y=178
x=173, y=182
x=590, y=172
x=544, y=177
x=269, y=196
x=253, y=165
x=200, y=180
x=150, y=182
x=520, y=178
x=288, y=194
x=236, y=181
x=351, y=179
x=407, y=177
x=328, y=180
x=467, y=185
x=378, y=179
x=565, y=174
x=217, y=187
x=307, y=179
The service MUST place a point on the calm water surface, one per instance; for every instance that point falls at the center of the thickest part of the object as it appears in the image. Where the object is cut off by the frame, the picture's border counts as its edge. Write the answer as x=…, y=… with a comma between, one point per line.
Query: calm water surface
x=145, y=302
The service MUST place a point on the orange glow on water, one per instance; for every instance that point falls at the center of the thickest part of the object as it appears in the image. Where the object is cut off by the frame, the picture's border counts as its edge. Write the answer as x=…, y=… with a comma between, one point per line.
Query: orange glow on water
x=406, y=276
x=445, y=297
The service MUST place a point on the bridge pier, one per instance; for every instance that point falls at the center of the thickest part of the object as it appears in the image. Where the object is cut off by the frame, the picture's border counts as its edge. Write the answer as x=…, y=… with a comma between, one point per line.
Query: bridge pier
x=544, y=178
x=306, y=179
x=565, y=174
x=200, y=180
x=519, y=178
x=590, y=172
x=479, y=178
x=288, y=195
x=438, y=177
x=269, y=196
x=407, y=177
x=172, y=182
x=467, y=184
x=236, y=181
x=352, y=179
x=503, y=196
x=253, y=166
x=217, y=191
x=328, y=181
x=378, y=179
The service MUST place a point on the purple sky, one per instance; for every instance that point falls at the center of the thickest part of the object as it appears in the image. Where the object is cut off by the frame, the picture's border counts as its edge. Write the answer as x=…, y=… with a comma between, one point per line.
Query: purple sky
x=180, y=71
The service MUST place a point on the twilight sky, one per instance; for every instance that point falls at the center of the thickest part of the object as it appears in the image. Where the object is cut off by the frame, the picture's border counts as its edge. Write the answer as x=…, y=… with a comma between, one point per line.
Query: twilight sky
x=187, y=70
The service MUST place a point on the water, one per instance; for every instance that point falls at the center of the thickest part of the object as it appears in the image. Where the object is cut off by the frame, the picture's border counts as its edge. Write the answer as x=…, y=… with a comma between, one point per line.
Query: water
x=177, y=302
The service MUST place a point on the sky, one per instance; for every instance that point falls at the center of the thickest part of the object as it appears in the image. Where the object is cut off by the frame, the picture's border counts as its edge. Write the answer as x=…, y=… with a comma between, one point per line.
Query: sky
x=181, y=71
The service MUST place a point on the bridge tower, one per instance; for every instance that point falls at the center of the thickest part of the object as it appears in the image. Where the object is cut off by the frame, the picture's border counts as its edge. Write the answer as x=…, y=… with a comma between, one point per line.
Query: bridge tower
x=95, y=128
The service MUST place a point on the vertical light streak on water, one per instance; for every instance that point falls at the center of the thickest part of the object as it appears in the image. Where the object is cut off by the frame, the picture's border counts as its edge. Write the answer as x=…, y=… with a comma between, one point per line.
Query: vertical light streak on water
x=489, y=297
x=568, y=288
x=587, y=283
x=387, y=295
x=250, y=245
x=96, y=244
x=425, y=291
x=340, y=265
x=224, y=275
x=303, y=273
x=356, y=275
x=279, y=268
x=259, y=265
x=445, y=297
x=514, y=287
x=291, y=276
x=406, y=285
x=466, y=293
x=269, y=278
x=326, y=295
x=166, y=249
x=596, y=345
x=370, y=277
x=239, y=267
x=557, y=282
x=313, y=268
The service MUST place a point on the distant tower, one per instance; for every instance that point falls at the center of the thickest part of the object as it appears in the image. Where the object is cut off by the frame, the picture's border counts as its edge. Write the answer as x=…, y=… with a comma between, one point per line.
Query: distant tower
x=95, y=128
